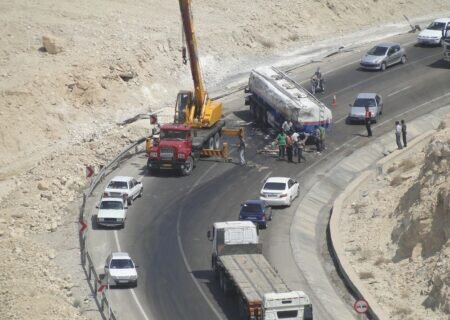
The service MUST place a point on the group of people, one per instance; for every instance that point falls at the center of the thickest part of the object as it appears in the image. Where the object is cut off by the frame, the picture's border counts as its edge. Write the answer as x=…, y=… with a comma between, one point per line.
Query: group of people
x=400, y=134
x=292, y=144
x=400, y=129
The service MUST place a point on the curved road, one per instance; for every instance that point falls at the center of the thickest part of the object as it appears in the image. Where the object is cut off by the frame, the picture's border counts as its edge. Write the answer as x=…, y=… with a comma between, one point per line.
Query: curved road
x=166, y=229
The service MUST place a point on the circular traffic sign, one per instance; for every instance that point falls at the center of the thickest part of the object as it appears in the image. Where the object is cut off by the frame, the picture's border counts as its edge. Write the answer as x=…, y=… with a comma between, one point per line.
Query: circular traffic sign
x=361, y=306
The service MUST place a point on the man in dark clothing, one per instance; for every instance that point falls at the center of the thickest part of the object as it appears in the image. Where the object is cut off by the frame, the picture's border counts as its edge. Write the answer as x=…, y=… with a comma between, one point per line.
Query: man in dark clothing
x=404, y=132
x=289, y=147
x=368, y=121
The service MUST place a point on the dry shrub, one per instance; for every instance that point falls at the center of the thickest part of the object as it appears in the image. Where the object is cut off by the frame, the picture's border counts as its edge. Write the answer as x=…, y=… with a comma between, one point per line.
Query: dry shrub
x=357, y=207
x=402, y=311
x=294, y=37
x=391, y=169
x=407, y=164
x=396, y=181
x=365, y=255
x=366, y=275
x=381, y=260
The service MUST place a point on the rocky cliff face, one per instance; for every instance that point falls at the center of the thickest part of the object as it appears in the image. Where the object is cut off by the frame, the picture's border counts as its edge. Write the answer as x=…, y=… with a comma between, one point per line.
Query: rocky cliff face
x=423, y=226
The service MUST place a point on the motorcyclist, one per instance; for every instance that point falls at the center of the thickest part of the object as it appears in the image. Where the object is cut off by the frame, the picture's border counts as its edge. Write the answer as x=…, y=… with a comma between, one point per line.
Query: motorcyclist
x=317, y=79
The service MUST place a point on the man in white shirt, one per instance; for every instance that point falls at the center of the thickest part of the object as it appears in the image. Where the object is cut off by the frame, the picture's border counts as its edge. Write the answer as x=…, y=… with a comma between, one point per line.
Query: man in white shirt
x=398, y=134
x=295, y=142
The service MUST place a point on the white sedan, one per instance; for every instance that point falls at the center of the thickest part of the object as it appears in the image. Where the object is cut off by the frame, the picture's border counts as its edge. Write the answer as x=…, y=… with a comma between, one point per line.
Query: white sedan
x=279, y=191
x=120, y=269
x=124, y=187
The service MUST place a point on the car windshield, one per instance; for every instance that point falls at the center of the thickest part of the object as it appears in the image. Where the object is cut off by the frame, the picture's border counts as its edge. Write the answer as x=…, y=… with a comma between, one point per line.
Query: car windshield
x=174, y=134
x=275, y=186
x=251, y=207
x=377, y=51
x=117, y=205
x=364, y=102
x=121, y=264
x=436, y=26
x=118, y=185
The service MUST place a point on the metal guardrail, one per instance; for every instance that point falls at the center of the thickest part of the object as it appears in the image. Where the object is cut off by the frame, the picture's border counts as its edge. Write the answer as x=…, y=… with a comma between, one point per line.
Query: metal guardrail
x=92, y=276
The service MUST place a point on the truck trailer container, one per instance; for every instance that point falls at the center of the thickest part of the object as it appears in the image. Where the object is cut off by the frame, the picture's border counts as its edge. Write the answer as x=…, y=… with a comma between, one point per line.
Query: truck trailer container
x=241, y=268
x=273, y=98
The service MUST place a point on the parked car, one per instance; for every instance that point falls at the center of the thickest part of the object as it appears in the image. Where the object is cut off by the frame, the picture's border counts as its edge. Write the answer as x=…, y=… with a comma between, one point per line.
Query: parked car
x=120, y=269
x=112, y=212
x=124, y=187
x=382, y=56
x=257, y=211
x=279, y=191
x=357, y=110
x=432, y=35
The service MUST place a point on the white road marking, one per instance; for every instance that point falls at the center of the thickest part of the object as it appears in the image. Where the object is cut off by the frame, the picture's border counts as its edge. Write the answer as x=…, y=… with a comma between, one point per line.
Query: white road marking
x=186, y=263
x=133, y=294
x=398, y=91
x=266, y=176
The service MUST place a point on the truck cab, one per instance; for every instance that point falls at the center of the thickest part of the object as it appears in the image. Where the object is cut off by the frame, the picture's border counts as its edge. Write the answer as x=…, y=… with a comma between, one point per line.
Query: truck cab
x=294, y=305
x=172, y=150
x=231, y=233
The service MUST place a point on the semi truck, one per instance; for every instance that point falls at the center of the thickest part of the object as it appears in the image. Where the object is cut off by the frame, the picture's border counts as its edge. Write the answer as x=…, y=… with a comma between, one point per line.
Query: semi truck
x=241, y=268
x=198, y=123
x=274, y=97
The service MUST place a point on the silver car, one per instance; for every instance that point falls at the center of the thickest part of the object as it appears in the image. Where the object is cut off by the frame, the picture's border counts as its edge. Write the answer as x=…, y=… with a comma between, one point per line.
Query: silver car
x=382, y=56
x=358, y=109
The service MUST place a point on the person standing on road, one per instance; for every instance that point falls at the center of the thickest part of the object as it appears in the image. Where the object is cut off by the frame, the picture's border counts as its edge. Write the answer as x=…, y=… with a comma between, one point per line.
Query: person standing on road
x=295, y=142
x=398, y=132
x=241, y=149
x=301, y=146
x=287, y=126
x=289, y=146
x=404, y=132
x=368, y=121
x=322, y=137
x=281, y=141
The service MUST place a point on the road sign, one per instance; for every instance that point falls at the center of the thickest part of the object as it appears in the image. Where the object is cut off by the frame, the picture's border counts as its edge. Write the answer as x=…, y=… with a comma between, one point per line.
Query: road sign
x=361, y=306
x=83, y=225
x=89, y=171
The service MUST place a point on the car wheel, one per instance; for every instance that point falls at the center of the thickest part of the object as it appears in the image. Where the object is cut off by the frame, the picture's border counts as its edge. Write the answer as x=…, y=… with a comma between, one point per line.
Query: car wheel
x=188, y=166
x=217, y=141
x=141, y=193
x=403, y=60
x=298, y=192
x=441, y=42
x=383, y=66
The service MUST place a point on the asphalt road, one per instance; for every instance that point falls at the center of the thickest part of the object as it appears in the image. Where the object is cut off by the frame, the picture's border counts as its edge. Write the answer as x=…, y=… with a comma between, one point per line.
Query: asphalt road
x=166, y=229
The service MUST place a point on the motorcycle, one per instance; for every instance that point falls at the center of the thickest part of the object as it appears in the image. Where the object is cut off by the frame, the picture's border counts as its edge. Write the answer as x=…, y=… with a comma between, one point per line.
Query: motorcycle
x=317, y=85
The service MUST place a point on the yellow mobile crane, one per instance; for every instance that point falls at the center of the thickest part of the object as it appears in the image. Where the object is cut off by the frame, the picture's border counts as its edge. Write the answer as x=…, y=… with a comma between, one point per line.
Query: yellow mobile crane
x=194, y=109
x=198, y=124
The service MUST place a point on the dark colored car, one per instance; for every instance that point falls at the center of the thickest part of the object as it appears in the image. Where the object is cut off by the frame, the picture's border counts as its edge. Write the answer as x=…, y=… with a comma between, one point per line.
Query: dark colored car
x=257, y=211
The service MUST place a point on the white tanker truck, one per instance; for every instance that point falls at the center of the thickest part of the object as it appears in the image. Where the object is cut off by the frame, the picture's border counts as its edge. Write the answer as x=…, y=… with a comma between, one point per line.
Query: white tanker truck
x=273, y=97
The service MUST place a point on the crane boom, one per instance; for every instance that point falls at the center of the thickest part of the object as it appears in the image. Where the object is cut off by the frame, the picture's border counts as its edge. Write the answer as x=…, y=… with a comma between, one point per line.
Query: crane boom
x=195, y=108
x=188, y=28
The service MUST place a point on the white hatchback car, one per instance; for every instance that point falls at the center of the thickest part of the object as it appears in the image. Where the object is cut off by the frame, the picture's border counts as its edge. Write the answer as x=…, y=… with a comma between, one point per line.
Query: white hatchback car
x=124, y=187
x=120, y=269
x=279, y=191
x=433, y=33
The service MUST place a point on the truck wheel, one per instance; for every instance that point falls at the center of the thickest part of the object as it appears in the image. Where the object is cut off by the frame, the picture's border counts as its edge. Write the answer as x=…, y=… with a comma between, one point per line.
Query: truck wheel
x=217, y=141
x=211, y=143
x=188, y=166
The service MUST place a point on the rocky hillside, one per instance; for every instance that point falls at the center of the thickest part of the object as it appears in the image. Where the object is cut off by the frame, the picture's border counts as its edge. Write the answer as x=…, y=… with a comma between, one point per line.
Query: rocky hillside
x=403, y=254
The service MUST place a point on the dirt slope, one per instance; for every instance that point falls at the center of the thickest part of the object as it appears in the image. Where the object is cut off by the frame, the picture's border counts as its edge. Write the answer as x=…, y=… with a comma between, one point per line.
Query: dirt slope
x=59, y=111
